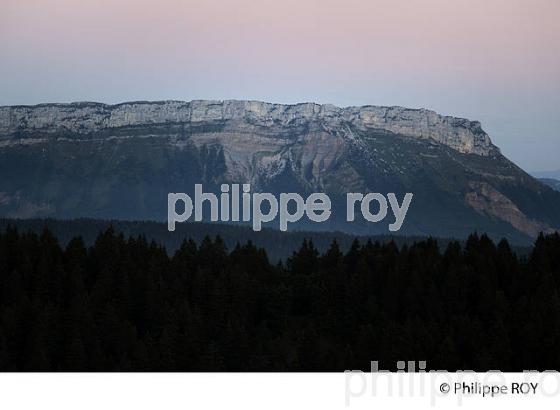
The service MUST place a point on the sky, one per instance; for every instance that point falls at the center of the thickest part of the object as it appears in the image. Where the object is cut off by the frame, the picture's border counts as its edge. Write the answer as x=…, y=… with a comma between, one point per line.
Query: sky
x=496, y=61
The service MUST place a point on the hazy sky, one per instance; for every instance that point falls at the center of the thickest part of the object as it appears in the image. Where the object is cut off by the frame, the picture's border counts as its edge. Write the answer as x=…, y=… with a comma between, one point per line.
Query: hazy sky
x=497, y=61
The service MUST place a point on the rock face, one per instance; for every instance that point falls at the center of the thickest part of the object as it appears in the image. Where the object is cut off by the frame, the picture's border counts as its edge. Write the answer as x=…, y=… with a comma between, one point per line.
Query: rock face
x=86, y=118
x=120, y=161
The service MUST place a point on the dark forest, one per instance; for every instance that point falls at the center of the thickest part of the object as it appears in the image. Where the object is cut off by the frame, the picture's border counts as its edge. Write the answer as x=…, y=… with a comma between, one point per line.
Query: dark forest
x=125, y=304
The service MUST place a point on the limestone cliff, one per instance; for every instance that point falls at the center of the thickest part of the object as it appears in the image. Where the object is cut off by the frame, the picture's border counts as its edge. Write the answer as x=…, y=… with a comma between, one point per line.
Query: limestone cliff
x=43, y=120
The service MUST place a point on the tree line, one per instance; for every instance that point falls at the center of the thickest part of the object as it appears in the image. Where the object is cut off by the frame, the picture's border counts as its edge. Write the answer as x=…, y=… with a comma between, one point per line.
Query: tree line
x=278, y=245
x=125, y=304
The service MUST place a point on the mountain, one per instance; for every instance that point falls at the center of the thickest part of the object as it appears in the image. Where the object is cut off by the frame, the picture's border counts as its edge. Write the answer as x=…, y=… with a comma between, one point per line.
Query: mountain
x=551, y=182
x=120, y=162
x=547, y=174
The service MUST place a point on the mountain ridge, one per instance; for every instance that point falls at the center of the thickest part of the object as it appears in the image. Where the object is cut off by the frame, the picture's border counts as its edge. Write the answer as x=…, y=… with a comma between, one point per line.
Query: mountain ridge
x=120, y=161
x=461, y=134
x=551, y=182
x=547, y=174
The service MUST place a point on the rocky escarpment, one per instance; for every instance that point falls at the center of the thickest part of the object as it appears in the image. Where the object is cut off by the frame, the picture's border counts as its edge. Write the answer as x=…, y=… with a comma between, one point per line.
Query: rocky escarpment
x=43, y=120
x=120, y=162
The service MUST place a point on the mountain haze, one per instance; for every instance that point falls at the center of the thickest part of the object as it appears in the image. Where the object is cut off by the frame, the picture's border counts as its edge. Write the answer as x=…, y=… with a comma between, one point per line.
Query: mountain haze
x=547, y=174
x=551, y=182
x=120, y=161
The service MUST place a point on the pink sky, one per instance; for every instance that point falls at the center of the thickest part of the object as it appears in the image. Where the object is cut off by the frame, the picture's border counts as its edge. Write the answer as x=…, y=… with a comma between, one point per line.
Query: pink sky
x=493, y=60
